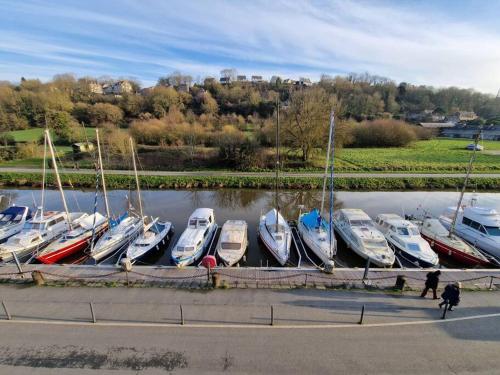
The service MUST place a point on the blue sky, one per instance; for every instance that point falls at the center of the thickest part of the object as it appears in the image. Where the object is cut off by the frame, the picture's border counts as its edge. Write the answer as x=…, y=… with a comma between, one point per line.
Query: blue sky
x=440, y=43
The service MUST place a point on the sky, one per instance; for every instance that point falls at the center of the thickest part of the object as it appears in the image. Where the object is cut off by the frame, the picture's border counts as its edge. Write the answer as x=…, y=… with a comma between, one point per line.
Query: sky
x=429, y=42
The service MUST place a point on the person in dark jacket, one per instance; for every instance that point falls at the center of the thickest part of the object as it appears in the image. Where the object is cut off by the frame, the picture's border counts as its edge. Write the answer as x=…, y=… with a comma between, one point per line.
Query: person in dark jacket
x=431, y=283
x=451, y=295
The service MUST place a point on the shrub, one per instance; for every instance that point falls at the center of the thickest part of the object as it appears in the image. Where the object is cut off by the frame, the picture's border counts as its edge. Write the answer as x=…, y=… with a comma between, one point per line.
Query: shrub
x=382, y=133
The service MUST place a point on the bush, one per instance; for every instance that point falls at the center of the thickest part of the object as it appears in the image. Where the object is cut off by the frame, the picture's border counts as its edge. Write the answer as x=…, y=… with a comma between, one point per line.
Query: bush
x=382, y=133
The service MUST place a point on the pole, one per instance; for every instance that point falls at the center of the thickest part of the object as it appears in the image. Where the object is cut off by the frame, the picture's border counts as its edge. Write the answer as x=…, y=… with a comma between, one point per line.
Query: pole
x=325, y=177
x=44, y=174
x=9, y=317
x=445, y=309
x=272, y=315
x=92, y=312
x=464, y=187
x=105, y=193
x=367, y=269
x=18, y=264
x=58, y=178
x=277, y=158
x=182, y=315
x=362, y=315
x=137, y=181
x=332, y=160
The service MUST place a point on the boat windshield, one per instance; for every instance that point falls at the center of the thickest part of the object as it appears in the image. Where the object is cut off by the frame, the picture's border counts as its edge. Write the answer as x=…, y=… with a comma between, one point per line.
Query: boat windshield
x=374, y=243
x=230, y=246
x=413, y=247
x=35, y=226
x=185, y=248
x=403, y=231
x=493, y=231
x=361, y=223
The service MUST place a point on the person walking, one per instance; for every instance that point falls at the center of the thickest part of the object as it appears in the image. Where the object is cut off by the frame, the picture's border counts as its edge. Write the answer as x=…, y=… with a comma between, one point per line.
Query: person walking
x=431, y=283
x=451, y=295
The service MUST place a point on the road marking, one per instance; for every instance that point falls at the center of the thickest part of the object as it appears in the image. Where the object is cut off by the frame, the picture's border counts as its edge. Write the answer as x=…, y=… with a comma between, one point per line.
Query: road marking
x=245, y=326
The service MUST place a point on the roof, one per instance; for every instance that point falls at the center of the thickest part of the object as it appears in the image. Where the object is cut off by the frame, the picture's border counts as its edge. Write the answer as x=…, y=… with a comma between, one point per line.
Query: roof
x=202, y=213
x=355, y=214
x=483, y=215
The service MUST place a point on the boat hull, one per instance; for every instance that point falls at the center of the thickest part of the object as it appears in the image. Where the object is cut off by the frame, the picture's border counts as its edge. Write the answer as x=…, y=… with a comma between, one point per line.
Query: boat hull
x=311, y=244
x=411, y=259
x=448, y=251
x=195, y=256
x=162, y=238
x=266, y=238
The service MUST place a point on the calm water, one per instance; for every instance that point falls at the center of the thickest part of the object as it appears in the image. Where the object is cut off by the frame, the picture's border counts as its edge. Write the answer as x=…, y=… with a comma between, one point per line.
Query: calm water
x=177, y=205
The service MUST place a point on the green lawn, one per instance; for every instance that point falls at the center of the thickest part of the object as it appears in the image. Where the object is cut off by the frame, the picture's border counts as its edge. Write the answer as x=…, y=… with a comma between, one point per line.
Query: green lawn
x=34, y=134
x=423, y=156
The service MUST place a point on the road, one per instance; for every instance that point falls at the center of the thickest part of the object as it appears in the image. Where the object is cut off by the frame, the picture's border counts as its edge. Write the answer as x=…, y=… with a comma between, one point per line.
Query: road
x=315, y=332
x=261, y=174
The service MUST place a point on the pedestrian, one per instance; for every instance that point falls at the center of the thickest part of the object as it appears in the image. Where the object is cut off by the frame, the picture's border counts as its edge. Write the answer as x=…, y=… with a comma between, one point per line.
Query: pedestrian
x=431, y=283
x=451, y=295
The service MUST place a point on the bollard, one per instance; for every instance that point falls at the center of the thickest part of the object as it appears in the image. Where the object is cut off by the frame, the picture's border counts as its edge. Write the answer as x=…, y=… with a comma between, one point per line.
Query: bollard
x=94, y=320
x=305, y=282
x=491, y=282
x=215, y=280
x=38, y=278
x=272, y=315
x=362, y=315
x=400, y=282
x=126, y=265
x=367, y=269
x=445, y=309
x=182, y=316
x=9, y=317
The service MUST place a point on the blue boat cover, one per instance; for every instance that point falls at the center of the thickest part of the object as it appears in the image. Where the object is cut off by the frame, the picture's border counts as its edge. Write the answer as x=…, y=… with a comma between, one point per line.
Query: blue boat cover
x=313, y=220
x=13, y=211
x=114, y=222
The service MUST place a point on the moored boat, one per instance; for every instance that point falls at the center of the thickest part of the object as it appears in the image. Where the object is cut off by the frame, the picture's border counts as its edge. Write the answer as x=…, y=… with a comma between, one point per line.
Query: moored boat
x=276, y=235
x=12, y=221
x=233, y=242
x=359, y=233
x=196, y=237
x=404, y=237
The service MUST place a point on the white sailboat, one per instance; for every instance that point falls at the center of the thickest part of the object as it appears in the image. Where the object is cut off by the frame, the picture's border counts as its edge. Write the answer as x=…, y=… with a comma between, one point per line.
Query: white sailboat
x=121, y=232
x=153, y=234
x=315, y=230
x=273, y=229
x=12, y=221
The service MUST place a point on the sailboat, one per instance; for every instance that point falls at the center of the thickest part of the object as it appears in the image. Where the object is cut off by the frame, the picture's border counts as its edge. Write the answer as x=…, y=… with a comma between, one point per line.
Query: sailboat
x=45, y=226
x=317, y=233
x=153, y=234
x=12, y=221
x=273, y=229
x=122, y=231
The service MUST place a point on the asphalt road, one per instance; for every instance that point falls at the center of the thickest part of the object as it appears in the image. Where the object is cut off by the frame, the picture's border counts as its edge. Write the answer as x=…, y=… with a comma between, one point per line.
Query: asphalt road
x=259, y=174
x=210, y=346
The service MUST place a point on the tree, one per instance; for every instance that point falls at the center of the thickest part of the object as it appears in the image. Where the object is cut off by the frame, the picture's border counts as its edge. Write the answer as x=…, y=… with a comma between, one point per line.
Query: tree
x=104, y=112
x=209, y=104
x=161, y=100
x=306, y=121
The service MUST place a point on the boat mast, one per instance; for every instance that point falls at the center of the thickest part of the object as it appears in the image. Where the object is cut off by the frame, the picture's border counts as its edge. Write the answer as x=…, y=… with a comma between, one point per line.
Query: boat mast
x=277, y=159
x=325, y=177
x=43, y=174
x=332, y=161
x=105, y=193
x=58, y=178
x=469, y=170
x=137, y=180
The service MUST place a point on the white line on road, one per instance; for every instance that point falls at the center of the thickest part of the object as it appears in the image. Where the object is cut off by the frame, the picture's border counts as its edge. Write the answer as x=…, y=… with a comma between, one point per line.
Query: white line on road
x=244, y=326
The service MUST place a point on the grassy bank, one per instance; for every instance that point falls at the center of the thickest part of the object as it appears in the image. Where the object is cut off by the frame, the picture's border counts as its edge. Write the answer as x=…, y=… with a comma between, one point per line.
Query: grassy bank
x=298, y=183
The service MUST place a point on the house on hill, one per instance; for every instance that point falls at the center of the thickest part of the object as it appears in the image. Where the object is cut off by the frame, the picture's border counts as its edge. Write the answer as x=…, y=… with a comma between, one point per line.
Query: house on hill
x=462, y=116
x=117, y=88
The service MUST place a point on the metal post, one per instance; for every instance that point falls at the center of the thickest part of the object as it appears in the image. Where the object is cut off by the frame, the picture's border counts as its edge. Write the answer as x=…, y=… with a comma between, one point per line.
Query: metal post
x=362, y=315
x=9, y=317
x=182, y=315
x=272, y=315
x=445, y=309
x=16, y=259
x=94, y=320
x=491, y=282
x=367, y=269
x=305, y=282
x=208, y=273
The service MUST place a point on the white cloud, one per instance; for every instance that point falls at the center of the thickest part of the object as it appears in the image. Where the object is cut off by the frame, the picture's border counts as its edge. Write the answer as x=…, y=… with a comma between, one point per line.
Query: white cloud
x=280, y=37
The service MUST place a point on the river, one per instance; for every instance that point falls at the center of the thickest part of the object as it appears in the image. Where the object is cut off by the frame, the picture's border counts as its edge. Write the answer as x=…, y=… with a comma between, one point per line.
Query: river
x=177, y=205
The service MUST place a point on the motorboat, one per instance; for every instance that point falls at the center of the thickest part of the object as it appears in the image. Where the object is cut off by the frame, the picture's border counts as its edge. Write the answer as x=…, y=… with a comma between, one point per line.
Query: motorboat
x=12, y=221
x=196, y=238
x=77, y=239
x=316, y=232
x=37, y=233
x=317, y=235
x=452, y=246
x=276, y=235
x=233, y=242
x=405, y=239
x=360, y=234
x=154, y=236
x=480, y=226
x=122, y=232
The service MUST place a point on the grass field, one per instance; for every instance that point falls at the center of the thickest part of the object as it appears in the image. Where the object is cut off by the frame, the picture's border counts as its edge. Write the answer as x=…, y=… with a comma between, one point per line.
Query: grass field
x=34, y=134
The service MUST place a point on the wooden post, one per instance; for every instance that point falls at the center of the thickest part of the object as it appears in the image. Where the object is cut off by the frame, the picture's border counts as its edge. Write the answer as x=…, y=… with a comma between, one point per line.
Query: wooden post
x=182, y=315
x=362, y=315
x=9, y=317
x=94, y=320
x=272, y=315
x=16, y=259
x=491, y=282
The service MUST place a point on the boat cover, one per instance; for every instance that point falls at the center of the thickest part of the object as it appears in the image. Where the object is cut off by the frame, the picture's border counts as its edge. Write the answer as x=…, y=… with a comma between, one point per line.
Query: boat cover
x=114, y=222
x=313, y=219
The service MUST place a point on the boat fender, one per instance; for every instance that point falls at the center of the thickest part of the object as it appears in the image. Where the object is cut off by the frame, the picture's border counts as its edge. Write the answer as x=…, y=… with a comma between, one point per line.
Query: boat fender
x=126, y=264
x=329, y=266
